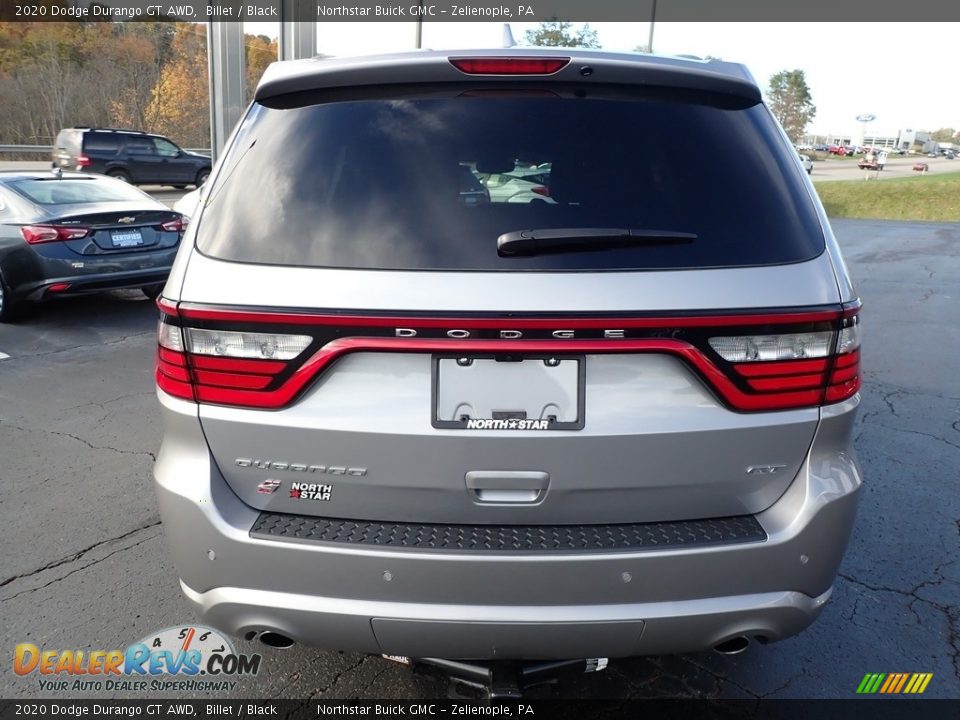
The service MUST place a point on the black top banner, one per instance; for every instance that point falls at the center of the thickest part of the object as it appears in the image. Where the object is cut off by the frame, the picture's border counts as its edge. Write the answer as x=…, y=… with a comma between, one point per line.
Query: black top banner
x=480, y=10
x=578, y=709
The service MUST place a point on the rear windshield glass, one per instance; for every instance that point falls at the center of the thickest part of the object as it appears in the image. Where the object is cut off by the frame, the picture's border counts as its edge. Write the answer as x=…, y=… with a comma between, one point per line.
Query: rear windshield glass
x=431, y=181
x=69, y=192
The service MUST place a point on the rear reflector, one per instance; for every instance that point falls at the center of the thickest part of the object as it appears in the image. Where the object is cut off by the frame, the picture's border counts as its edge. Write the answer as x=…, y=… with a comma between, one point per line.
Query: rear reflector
x=510, y=66
x=59, y=287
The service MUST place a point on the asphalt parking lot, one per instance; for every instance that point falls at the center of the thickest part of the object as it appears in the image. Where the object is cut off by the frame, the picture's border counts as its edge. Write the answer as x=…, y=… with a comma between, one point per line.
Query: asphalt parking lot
x=84, y=564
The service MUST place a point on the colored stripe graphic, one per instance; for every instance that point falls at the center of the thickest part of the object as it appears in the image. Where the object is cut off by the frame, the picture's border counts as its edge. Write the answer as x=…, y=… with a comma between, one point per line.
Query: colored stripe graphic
x=894, y=683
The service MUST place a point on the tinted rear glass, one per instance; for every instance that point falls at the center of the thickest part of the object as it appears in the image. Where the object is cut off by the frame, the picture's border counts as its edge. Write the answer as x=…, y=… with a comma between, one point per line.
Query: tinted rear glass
x=70, y=192
x=385, y=183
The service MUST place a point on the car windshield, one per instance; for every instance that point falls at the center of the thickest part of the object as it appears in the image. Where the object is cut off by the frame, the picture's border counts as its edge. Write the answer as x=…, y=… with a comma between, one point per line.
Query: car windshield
x=71, y=191
x=385, y=182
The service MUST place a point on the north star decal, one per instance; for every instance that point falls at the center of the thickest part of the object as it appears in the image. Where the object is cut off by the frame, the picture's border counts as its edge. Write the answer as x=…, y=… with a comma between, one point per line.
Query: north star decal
x=311, y=491
x=509, y=424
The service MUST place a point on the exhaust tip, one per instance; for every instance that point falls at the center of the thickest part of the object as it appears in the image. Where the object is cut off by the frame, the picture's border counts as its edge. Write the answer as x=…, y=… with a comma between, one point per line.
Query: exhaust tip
x=733, y=646
x=275, y=640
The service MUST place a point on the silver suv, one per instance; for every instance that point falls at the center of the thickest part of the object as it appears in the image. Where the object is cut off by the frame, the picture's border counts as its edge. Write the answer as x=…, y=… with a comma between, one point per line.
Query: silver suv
x=410, y=418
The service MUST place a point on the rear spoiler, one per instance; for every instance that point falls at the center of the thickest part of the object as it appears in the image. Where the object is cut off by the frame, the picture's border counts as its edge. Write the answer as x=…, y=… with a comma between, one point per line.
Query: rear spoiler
x=283, y=78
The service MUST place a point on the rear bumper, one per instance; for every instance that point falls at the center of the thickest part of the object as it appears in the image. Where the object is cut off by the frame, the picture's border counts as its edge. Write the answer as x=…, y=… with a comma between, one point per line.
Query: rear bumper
x=39, y=290
x=507, y=605
x=505, y=631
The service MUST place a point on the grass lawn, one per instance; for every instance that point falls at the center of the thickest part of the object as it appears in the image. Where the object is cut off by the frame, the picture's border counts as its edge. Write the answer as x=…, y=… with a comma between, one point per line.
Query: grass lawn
x=925, y=197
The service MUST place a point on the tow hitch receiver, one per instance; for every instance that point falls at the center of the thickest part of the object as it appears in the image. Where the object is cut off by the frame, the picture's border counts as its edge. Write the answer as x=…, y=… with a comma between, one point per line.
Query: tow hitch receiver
x=499, y=679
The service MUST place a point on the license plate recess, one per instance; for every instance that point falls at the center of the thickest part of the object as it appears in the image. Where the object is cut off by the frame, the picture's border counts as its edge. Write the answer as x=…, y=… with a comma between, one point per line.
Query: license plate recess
x=505, y=392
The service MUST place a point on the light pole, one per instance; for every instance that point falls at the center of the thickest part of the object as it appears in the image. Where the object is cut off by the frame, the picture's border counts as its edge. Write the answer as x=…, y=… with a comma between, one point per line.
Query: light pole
x=653, y=20
x=420, y=25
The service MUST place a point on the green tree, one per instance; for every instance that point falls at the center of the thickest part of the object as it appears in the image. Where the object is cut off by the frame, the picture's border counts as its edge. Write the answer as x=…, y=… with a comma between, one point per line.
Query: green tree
x=555, y=33
x=790, y=102
x=944, y=135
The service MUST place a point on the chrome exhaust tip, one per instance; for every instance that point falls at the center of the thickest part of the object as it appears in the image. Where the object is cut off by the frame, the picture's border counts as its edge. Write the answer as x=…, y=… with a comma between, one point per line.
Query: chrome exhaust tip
x=275, y=640
x=733, y=646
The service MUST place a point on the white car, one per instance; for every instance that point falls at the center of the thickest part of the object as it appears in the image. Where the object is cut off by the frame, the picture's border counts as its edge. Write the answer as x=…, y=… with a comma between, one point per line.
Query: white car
x=519, y=186
x=804, y=160
x=187, y=205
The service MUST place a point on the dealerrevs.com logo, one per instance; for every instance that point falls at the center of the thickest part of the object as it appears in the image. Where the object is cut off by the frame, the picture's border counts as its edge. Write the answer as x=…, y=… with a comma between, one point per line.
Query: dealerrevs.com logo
x=198, y=657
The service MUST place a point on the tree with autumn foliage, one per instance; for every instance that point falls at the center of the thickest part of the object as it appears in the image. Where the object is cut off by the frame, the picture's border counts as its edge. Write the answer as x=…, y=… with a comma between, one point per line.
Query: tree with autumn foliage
x=180, y=104
x=149, y=76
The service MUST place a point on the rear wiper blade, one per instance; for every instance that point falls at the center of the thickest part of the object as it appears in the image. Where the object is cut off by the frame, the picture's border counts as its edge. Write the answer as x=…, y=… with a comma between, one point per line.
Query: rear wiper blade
x=560, y=240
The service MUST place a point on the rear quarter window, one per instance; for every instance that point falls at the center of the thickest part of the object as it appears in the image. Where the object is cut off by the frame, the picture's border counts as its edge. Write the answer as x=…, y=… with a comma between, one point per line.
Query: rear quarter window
x=102, y=143
x=394, y=182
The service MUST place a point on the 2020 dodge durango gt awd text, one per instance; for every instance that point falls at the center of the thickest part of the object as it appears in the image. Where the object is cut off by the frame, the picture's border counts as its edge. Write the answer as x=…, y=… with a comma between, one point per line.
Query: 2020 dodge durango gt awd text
x=399, y=420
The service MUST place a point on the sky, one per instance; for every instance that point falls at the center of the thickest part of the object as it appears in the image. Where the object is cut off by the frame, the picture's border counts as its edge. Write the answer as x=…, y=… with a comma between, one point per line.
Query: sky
x=906, y=75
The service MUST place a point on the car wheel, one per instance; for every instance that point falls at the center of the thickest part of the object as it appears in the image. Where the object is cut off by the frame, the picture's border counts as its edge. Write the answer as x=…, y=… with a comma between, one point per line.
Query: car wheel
x=202, y=176
x=152, y=291
x=121, y=175
x=809, y=171
x=10, y=308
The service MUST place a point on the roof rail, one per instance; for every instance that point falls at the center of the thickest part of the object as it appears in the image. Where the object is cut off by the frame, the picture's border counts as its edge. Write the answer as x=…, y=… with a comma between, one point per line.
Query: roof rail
x=106, y=129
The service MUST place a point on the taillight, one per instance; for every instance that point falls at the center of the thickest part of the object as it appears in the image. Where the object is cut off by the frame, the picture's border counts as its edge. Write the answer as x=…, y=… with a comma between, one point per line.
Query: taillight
x=222, y=366
x=541, y=190
x=510, y=65
x=790, y=370
x=83, y=161
x=35, y=234
x=178, y=225
x=845, y=380
x=264, y=359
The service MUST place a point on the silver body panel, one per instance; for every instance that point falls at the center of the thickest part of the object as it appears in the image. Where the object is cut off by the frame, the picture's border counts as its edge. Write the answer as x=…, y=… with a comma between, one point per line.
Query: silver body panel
x=782, y=286
x=632, y=461
x=685, y=600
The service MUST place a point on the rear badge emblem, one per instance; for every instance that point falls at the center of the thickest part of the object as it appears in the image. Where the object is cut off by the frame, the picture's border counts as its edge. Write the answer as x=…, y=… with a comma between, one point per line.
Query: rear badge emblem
x=268, y=487
x=128, y=219
x=764, y=469
x=311, y=491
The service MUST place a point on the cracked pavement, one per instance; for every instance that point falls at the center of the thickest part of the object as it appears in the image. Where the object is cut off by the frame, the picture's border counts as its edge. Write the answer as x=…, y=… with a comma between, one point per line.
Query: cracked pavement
x=85, y=565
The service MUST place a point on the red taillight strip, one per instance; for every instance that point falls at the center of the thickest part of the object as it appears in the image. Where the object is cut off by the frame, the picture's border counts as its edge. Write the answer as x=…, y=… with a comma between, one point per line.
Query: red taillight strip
x=281, y=396
x=237, y=365
x=171, y=356
x=201, y=312
x=786, y=367
x=231, y=380
x=847, y=359
x=791, y=382
x=168, y=307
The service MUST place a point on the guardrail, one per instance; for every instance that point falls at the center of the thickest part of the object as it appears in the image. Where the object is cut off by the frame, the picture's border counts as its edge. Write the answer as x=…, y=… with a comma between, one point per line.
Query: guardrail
x=24, y=148
x=45, y=149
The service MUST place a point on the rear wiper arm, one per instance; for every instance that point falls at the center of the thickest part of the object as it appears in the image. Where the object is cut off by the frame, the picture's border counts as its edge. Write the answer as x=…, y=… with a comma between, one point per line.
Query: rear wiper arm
x=524, y=243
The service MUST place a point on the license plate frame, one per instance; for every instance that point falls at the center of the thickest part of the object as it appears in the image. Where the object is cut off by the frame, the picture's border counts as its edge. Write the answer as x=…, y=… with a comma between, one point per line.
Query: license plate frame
x=122, y=239
x=510, y=360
